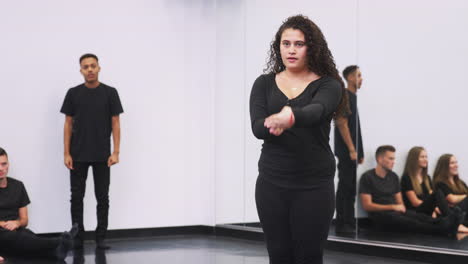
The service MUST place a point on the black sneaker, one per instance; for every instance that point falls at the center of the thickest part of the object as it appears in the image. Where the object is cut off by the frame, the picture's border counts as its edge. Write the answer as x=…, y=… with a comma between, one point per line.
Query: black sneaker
x=64, y=246
x=74, y=230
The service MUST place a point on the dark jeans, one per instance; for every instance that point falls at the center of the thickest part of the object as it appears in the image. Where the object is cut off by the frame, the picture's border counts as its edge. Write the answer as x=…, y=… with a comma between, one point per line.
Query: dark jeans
x=78, y=176
x=295, y=222
x=23, y=242
x=346, y=191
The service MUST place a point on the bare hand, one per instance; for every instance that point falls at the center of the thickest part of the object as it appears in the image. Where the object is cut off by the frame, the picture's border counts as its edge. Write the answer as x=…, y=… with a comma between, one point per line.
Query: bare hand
x=353, y=155
x=68, y=161
x=113, y=159
x=437, y=211
x=277, y=131
x=11, y=225
x=399, y=208
x=361, y=160
x=280, y=121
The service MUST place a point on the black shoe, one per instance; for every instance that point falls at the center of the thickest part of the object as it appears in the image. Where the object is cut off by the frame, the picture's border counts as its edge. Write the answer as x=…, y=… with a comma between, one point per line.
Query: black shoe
x=64, y=246
x=101, y=244
x=345, y=229
x=74, y=230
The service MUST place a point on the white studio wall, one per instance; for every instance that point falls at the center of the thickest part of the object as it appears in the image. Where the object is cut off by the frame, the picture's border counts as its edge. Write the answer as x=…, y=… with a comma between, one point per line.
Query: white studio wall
x=230, y=110
x=154, y=53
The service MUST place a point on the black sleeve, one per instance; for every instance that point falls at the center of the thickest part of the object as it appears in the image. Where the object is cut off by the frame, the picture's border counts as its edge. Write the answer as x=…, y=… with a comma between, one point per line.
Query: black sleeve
x=115, y=104
x=444, y=188
x=364, y=185
x=397, y=183
x=406, y=183
x=360, y=143
x=322, y=105
x=67, y=106
x=24, y=198
x=258, y=108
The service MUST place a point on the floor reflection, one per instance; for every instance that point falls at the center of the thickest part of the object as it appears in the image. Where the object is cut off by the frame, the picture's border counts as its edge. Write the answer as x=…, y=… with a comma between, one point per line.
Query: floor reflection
x=366, y=232
x=194, y=249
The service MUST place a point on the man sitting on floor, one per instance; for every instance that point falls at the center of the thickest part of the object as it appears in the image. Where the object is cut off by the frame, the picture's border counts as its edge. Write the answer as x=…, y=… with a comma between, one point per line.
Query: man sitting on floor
x=15, y=238
x=380, y=194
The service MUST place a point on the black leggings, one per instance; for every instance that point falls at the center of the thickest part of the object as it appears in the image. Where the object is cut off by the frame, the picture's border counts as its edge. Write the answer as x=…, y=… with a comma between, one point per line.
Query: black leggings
x=295, y=222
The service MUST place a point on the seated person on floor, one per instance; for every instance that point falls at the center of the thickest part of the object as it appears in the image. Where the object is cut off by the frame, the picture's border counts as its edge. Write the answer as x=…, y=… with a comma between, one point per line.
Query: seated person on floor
x=447, y=180
x=15, y=238
x=416, y=186
x=380, y=195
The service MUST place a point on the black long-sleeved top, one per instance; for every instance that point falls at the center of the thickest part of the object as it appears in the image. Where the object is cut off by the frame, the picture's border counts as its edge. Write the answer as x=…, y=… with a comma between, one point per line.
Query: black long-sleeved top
x=301, y=157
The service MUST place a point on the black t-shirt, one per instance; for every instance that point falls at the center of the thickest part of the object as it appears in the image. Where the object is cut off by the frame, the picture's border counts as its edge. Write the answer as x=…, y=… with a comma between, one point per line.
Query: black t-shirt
x=354, y=125
x=92, y=110
x=406, y=186
x=301, y=157
x=446, y=190
x=383, y=190
x=12, y=198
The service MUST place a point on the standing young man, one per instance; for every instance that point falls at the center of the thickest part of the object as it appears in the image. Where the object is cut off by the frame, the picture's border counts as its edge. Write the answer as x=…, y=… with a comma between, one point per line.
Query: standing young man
x=92, y=112
x=349, y=150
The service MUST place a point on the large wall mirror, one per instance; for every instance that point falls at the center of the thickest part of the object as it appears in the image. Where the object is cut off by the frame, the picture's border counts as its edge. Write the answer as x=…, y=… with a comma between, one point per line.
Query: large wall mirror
x=412, y=59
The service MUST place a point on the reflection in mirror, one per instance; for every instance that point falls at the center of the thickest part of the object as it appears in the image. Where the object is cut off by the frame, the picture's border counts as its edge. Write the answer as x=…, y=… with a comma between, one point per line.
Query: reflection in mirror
x=412, y=96
x=412, y=109
x=349, y=153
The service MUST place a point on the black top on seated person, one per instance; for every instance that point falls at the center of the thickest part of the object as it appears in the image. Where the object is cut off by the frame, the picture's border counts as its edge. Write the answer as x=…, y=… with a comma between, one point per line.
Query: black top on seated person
x=448, y=182
x=417, y=188
x=15, y=238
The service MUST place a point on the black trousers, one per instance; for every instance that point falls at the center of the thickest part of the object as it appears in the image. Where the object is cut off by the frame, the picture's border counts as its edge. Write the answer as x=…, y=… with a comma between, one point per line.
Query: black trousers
x=464, y=207
x=295, y=222
x=346, y=191
x=23, y=242
x=411, y=221
x=78, y=176
x=436, y=199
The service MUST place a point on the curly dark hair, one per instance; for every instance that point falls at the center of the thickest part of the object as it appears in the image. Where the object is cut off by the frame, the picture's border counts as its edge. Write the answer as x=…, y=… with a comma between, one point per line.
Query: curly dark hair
x=320, y=60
